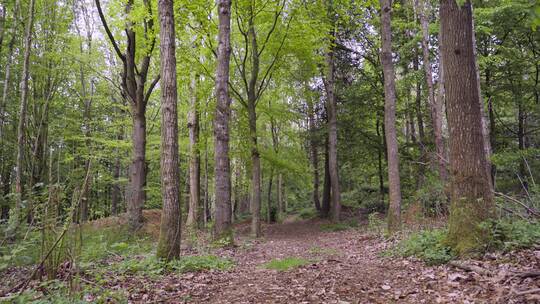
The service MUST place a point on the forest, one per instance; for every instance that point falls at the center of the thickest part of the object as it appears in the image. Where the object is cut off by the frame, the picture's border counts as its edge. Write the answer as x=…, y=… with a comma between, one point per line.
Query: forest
x=269, y=151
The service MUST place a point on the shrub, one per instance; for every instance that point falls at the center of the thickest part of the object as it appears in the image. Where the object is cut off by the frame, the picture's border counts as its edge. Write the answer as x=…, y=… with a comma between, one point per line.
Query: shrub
x=307, y=213
x=428, y=245
x=200, y=263
x=286, y=263
x=508, y=235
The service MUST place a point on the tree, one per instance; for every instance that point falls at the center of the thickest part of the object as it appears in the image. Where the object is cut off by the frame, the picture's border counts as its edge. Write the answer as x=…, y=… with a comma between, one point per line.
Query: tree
x=133, y=84
x=394, y=209
x=193, y=218
x=471, y=190
x=222, y=171
x=19, y=189
x=434, y=103
x=171, y=214
x=255, y=76
x=331, y=108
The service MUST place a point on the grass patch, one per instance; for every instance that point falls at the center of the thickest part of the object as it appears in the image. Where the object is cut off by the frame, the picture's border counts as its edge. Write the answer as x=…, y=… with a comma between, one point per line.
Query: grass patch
x=341, y=226
x=196, y=263
x=286, y=263
x=150, y=265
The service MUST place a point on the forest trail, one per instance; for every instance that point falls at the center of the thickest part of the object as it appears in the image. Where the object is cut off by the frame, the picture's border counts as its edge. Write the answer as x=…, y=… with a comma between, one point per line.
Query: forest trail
x=345, y=267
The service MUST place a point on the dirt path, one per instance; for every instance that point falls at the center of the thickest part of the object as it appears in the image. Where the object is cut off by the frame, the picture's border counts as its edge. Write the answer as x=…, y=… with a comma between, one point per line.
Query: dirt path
x=347, y=267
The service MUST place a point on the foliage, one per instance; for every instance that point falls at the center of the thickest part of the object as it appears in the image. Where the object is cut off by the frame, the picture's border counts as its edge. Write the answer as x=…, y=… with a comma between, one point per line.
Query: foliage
x=341, y=226
x=511, y=234
x=286, y=263
x=307, y=213
x=150, y=265
x=428, y=245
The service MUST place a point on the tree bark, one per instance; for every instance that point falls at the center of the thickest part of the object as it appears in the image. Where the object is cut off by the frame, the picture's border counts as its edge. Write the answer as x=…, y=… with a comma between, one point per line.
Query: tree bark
x=325, y=208
x=471, y=191
x=133, y=84
x=421, y=140
x=394, y=210
x=193, y=219
x=331, y=100
x=222, y=175
x=314, y=155
x=435, y=106
x=170, y=228
x=19, y=186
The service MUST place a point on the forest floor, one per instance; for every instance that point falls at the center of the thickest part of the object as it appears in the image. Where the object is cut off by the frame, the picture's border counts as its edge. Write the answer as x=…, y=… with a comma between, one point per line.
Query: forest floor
x=341, y=267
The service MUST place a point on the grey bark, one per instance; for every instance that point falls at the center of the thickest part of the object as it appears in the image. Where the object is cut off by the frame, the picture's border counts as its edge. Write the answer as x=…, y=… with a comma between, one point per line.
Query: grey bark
x=394, y=210
x=222, y=171
x=170, y=228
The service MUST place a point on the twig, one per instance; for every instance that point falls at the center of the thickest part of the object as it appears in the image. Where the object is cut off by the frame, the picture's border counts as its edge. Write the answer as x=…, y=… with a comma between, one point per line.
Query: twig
x=472, y=268
x=529, y=209
x=524, y=292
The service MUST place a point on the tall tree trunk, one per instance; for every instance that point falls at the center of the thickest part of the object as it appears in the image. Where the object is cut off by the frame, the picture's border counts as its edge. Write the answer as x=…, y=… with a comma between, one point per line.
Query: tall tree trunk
x=380, y=153
x=193, y=219
x=435, y=106
x=331, y=100
x=325, y=208
x=471, y=191
x=222, y=165
x=133, y=84
x=269, y=197
x=170, y=228
x=421, y=140
x=255, y=173
x=7, y=75
x=394, y=210
x=280, y=193
x=314, y=155
x=22, y=117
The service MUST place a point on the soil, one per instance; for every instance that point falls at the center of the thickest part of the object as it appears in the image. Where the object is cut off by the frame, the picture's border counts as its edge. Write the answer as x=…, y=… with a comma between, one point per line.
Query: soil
x=347, y=267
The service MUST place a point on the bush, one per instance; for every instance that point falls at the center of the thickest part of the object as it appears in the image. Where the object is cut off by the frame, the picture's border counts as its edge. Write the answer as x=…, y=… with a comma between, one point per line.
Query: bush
x=196, y=263
x=307, y=213
x=428, y=245
x=508, y=235
x=286, y=263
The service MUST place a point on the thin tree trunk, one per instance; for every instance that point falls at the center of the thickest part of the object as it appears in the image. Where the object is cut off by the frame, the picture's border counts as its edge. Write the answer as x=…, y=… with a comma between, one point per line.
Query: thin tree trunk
x=471, y=191
x=8, y=64
x=435, y=107
x=269, y=197
x=22, y=116
x=255, y=173
x=193, y=219
x=380, y=153
x=170, y=228
x=394, y=210
x=314, y=156
x=280, y=193
x=331, y=100
x=222, y=169
x=325, y=208
x=421, y=140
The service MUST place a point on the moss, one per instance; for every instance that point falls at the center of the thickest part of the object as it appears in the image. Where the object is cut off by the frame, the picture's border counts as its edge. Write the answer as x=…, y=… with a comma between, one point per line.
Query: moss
x=466, y=235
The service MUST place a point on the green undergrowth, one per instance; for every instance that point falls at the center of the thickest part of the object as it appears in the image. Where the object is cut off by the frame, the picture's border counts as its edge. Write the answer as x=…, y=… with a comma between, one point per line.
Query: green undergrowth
x=150, y=265
x=431, y=246
x=307, y=213
x=340, y=226
x=286, y=263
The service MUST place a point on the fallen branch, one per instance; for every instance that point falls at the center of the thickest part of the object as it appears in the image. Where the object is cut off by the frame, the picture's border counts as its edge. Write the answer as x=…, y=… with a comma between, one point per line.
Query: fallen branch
x=524, y=292
x=472, y=268
x=528, y=274
x=529, y=209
